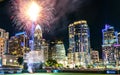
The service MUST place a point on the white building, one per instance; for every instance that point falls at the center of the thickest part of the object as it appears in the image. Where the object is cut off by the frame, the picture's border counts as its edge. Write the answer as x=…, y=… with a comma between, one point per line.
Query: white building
x=60, y=52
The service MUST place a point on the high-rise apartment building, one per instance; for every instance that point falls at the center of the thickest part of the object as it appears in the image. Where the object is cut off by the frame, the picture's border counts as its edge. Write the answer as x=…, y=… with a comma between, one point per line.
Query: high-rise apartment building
x=110, y=38
x=19, y=44
x=117, y=51
x=4, y=36
x=109, y=35
x=79, y=43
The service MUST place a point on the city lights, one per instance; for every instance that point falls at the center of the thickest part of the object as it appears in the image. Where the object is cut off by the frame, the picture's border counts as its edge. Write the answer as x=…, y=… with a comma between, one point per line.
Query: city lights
x=32, y=49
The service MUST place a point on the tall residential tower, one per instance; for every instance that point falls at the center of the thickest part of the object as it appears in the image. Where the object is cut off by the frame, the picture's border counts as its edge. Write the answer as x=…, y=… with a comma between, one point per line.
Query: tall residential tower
x=19, y=44
x=79, y=43
x=109, y=39
x=4, y=36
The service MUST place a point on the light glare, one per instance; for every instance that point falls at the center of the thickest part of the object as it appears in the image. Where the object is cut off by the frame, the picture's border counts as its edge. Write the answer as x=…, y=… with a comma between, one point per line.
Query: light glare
x=33, y=11
x=25, y=12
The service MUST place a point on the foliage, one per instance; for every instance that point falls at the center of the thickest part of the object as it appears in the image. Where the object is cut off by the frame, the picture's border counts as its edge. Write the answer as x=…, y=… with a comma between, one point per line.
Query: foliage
x=51, y=63
x=20, y=60
x=89, y=66
x=80, y=66
x=60, y=65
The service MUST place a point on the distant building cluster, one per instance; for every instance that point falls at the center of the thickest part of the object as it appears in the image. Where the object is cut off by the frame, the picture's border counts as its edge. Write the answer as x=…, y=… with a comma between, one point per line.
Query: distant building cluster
x=79, y=52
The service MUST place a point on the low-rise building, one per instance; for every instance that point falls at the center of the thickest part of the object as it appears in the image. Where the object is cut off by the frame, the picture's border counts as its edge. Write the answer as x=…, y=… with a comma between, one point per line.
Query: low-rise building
x=9, y=60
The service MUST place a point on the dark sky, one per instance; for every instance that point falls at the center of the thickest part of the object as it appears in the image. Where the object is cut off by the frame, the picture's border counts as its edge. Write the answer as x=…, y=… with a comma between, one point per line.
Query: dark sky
x=96, y=12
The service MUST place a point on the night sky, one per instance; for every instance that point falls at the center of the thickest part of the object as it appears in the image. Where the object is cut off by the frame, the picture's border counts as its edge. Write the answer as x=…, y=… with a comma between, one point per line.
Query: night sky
x=96, y=12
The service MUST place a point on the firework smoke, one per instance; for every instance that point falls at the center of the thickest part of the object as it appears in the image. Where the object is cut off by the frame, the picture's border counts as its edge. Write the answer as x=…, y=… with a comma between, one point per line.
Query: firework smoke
x=62, y=9
x=52, y=13
x=22, y=21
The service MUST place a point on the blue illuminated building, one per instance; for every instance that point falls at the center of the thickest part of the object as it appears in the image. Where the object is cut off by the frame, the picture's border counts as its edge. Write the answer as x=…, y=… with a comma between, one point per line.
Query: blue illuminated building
x=19, y=44
x=109, y=35
x=20, y=33
x=110, y=38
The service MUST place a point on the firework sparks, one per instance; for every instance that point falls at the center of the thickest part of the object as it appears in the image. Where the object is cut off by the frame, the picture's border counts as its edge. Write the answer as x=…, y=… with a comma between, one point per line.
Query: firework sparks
x=25, y=10
x=33, y=11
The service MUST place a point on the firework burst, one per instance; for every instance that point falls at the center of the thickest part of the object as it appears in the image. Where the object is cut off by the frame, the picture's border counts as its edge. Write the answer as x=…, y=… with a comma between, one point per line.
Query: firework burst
x=20, y=10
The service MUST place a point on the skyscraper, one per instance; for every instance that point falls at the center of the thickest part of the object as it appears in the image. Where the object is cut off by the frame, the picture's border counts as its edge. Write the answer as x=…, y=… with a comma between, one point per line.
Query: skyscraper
x=37, y=38
x=39, y=54
x=109, y=39
x=79, y=43
x=40, y=43
x=19, y=44
x=109, y=35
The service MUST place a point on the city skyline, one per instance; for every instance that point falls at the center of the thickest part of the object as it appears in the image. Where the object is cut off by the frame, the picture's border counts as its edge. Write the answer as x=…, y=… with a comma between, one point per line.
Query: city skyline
x=52, y=36
x=78, y=39
x=97, y=14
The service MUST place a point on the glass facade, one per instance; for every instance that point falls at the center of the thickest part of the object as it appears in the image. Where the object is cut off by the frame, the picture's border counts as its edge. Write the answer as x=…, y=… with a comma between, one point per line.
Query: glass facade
x=40, y=43
x=19, y=44
x=37, y=38
x=79, y=42
x=60, y=52
x=110, y=38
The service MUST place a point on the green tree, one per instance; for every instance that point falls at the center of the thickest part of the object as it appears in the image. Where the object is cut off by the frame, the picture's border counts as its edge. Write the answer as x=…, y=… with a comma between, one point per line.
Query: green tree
x=89, y=66
x=51, y=62
x=79, y=66
x=60, y=65
x=20, y=60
